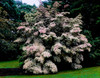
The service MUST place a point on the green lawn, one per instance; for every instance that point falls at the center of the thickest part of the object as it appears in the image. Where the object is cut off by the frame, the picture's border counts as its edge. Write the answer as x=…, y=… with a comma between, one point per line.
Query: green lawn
x=9, y=64
x=91, y=72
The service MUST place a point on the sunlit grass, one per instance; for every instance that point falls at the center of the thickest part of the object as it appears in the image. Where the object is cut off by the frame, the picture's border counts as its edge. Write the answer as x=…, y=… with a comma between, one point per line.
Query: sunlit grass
x=9, y=64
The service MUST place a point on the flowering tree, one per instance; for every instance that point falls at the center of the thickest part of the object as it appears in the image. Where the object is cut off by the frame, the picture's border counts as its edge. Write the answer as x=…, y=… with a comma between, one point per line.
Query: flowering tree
x=52, y=37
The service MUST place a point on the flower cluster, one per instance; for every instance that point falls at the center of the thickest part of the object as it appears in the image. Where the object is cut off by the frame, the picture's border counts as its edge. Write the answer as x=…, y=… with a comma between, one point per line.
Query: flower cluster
x=53, y=38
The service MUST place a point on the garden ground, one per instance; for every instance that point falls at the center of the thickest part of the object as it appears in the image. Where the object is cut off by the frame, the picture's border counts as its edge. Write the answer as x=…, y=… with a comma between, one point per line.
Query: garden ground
x=91, y=72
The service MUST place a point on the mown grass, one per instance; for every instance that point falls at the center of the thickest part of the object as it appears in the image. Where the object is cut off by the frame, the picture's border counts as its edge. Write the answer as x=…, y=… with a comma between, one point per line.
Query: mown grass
x=9, y=64
x=91, y=72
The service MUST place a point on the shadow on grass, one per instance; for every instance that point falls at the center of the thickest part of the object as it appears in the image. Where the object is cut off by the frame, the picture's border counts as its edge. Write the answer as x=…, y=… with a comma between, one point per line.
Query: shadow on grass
x=19, y=71
x=11, y=71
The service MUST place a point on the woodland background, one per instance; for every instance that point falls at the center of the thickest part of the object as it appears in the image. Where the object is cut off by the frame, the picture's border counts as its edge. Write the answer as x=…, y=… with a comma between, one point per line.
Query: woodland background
x=12, y=14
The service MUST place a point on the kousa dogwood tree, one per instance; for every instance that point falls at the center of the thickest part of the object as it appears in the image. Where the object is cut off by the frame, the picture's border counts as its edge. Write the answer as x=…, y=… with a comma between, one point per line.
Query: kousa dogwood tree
x=50, y=39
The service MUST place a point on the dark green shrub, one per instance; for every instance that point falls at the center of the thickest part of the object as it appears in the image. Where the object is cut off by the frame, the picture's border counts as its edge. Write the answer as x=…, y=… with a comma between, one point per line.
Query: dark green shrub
x=8, y=50
x=10, y=7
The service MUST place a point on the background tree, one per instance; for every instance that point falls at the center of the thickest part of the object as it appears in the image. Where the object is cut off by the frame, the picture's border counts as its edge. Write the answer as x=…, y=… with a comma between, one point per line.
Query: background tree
x=8, y=50
x=10, y=7
x=27, y=8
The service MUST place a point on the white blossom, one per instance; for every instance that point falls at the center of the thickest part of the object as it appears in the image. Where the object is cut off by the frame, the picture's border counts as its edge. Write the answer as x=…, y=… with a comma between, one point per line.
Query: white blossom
x=68, y=59
x=76, y=66
x=52, y=67
x=46, y=54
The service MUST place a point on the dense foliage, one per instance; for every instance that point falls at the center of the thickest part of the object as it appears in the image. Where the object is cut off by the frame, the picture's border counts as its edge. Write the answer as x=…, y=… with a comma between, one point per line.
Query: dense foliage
x=8, y=50
x=27, y=8
x=29, y=12
x=90, y=12
x=52, y=39
x=10, y=7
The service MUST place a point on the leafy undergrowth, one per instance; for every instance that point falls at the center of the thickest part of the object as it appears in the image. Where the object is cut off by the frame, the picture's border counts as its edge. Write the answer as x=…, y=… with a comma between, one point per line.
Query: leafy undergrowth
x=9, y=64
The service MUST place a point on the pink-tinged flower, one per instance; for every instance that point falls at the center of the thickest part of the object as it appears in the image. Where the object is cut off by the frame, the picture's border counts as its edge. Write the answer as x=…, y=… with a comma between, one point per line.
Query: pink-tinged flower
x=74, y=30
x=53, y=34
x=89, y=49
x=51, y=66
x=46, y=37
x=21, y=27
x=83, y=38
x=88, y=44
x=65, y=34
x=68, y=59
x=24, y=23
x=42, y=30
x=65, y=25
x=81, y=50
x=67, y=5
x=37, y=54
x=85, y=45
x=35, y=33
x=82, y=46
x=59, y=15
x=56, y=48
x=41, y=49
x=52, y=24
x=31, y=49
x=38, y=23
x=46, y=54
x=27, y=29
x=47, y=14
x=34, y=48
x=43, y=35
x=52, y=19
x=56, y=4
x=27, y=64
x=76, y=25
x=27, y=47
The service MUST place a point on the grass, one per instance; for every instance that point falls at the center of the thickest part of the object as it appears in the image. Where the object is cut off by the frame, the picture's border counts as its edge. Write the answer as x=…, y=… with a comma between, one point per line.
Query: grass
x=91, y=72
x=9, y=64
